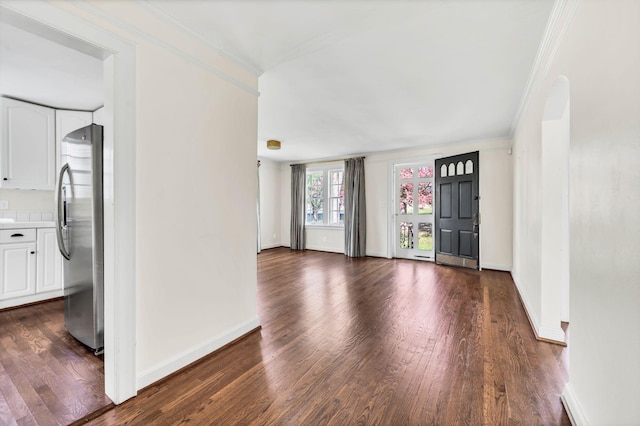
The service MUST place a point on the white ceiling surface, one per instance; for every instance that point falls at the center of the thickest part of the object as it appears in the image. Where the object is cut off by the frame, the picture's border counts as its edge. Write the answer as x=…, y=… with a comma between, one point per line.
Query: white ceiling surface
x=351, y=77
x=41, y=71
x=337, y=78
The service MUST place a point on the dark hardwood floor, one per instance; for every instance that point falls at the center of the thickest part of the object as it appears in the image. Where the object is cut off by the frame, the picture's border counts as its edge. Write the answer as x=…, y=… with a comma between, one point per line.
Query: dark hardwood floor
x=368, y=341
x=46, y=376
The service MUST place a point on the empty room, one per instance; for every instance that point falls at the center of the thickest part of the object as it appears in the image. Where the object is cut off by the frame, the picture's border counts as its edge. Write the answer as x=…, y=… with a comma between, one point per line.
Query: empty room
x=320, y=212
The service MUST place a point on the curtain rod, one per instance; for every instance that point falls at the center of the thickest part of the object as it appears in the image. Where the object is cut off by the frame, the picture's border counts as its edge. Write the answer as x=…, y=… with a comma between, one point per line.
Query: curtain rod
x=328, y=161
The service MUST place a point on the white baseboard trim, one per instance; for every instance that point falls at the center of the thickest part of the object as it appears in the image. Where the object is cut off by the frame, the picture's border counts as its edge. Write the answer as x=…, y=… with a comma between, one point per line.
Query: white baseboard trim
x=525, y=303
x=496, y=267
x=571, y=404
x=24, y=300
x=318, y=248
x=269, y=246
x=185, y=358
x=549, y=334
x=327, y=249
x=377, y=254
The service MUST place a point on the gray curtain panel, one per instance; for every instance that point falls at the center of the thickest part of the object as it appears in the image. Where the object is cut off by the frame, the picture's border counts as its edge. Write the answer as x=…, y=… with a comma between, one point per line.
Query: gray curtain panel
x=355, y=209
x=298, y=192
x=258, y=210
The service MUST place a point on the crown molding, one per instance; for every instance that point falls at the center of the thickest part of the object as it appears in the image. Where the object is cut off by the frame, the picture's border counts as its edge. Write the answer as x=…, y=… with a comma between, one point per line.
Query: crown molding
x=552, y=39
x=218, y=47
x=152, y=39
x=563, y=32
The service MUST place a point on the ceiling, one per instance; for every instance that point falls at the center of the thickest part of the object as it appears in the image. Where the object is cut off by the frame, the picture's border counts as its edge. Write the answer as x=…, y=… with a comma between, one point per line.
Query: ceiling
x=341, y=78
x=347, y=77
x=42, y=71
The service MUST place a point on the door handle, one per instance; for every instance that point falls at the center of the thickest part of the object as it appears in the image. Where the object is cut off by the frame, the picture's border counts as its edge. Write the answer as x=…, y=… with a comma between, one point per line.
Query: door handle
x=61, y=214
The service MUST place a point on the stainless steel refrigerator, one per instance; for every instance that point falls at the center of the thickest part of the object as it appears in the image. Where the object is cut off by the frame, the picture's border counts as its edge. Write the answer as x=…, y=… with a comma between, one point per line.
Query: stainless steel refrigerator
x=79, y=227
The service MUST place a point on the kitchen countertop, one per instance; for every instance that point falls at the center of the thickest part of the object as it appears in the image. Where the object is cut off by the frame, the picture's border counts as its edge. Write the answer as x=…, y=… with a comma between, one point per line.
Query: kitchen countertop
x=23, y=225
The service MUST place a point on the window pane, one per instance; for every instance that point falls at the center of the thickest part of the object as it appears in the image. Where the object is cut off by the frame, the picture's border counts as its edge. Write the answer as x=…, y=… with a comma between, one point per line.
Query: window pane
x=315, y=197
x=425, y=198
x=337, y=186
x=425, y=236
x=468, y=167
x=336, y=197
x=425, y=172
x=333, y=219
x=406, y=235
x=443, y=170
x=406, y=173
x=406, y=198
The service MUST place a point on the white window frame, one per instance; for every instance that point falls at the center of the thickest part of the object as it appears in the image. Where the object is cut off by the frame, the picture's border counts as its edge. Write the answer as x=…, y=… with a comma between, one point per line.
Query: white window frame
x=326, y=199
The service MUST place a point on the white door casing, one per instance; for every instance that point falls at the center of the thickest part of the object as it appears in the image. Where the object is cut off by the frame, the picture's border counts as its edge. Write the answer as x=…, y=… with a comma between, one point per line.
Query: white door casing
x=119, y=179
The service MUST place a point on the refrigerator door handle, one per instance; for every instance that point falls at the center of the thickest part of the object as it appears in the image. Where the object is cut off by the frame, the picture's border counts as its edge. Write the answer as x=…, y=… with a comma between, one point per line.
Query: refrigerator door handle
x=61, y=213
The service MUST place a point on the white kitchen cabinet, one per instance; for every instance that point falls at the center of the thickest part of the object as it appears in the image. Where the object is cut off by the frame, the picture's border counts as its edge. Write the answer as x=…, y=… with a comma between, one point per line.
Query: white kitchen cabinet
x=99, y=116
x=17, y=263
x=49, y=261
x=66, y=122
x=28, y=157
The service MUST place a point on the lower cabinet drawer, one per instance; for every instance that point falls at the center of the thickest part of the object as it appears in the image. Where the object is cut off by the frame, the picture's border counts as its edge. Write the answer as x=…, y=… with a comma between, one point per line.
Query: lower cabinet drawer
x=17, y=235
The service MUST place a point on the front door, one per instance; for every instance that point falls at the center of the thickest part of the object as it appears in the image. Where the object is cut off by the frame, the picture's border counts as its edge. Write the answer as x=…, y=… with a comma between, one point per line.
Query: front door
x=414, y=211
x=457, y=217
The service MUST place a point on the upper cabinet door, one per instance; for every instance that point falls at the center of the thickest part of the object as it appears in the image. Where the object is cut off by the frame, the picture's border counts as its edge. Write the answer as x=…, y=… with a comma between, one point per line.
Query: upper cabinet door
x=66, y=122
x=28, y=146
x=99, y=116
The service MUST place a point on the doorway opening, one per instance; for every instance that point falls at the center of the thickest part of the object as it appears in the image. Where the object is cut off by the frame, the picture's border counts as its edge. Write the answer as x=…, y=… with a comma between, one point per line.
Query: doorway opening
x=458, y=213
x=55, y=24
x=413, y=202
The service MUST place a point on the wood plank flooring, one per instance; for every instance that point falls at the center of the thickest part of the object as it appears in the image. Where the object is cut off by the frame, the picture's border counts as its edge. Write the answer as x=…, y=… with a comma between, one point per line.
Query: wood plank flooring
x=46, y=376
x=368, y=341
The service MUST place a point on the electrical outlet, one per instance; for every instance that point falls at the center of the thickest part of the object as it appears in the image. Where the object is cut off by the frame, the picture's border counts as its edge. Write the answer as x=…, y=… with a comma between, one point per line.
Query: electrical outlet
x=4, y=205
x=274, y=236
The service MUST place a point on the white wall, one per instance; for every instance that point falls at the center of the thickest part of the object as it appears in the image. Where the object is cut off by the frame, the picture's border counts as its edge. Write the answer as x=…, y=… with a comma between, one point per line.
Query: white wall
x=196, y=131
x=495, y=198
x=285, y=200
x=28, y=201
x=329, y=239
x=599, y=56
x=495, y=206
x=270, y=204
x=496, y=213
x=196, y=208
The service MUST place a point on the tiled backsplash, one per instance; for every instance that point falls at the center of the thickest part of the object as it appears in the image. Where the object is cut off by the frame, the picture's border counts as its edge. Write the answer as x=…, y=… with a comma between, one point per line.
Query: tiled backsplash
x=27, y=216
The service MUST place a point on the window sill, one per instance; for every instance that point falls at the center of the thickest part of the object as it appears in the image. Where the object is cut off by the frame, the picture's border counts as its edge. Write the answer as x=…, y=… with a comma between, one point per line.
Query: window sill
x=334, y=227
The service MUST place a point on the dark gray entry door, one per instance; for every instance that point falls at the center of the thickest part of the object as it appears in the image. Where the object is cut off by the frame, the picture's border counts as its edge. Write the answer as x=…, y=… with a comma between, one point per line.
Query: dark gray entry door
x=457, y=211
